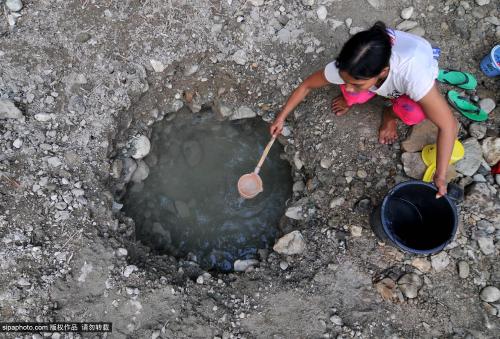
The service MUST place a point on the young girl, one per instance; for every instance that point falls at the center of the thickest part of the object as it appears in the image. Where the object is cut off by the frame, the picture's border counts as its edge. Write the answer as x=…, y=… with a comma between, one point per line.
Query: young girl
x=398, y=66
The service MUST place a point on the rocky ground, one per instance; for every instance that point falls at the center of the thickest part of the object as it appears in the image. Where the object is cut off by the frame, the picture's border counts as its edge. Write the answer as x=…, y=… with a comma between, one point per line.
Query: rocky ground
x=81, y=84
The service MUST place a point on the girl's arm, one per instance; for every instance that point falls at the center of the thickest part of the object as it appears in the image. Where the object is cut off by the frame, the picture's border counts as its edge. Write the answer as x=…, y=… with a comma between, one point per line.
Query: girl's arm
x=437, y=110
x=315, y=80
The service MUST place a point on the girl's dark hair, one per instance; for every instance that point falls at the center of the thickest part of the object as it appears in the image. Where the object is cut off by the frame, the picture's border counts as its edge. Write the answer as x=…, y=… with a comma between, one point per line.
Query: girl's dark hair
x=367, y=53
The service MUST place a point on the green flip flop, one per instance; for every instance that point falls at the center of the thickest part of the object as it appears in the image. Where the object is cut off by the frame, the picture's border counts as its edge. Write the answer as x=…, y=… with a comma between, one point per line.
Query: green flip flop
x=467, y=108
x=462, y=80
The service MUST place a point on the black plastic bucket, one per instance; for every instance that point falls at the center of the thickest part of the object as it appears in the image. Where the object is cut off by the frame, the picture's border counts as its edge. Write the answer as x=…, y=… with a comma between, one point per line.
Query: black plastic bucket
x=412, y=219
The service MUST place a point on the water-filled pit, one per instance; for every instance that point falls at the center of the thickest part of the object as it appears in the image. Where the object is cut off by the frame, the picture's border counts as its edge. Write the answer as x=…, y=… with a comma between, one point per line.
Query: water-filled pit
x=189, y=205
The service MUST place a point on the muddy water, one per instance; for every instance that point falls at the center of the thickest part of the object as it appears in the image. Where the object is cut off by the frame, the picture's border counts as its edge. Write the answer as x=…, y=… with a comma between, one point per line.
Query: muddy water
x=189, y=204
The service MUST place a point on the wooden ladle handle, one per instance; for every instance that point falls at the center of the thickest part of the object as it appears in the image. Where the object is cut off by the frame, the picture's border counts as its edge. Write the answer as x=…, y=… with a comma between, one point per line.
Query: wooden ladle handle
x=264, y=155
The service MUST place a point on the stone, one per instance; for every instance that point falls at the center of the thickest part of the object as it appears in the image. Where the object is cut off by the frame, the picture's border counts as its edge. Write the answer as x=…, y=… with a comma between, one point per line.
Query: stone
x=337, y=202
x=336, y=320
x=141, y=172
x=482, y=2
x=121, y=252
x=483, y=201
x=8, y=110
x=322, y=13
x=407, y=12
x=139, y=147
x=240, y=57
x=491, y=150
x=440, y=261
x=410, y=284
x=294, y=212
x=283, y=265
x=487, y=105
x=298, y=186
x=14, y=5
x=348, y=22
x=355, y=30
x=497, y=179
x=356, y=231
x=158, y=67
x=243, y=265
x=76, y=105
x=284, y=35
x=413, y=165
x=463, y=269
x=490, y=294
x=191, y=69
x=377, y=4
x=256, y=2
x=222, y=110
x=243, y=112
x=291, y=243
x=479, y=178
x=471, y=161
x=297, y=162
x=421, y=135
x=129, y=270
x=477, y=130
x=326, y=163
x=54, y=161
x=17, y=143
x=422, y=264
x=362, y=174
x=407, y=25
x=308, y=2
x=129, y=166
x=43, y=117
x=420, y=31
x=486, y=245
x=193, y=153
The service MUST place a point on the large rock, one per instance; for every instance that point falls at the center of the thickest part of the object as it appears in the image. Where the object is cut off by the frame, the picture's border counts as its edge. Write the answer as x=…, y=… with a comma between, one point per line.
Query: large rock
x=291, y=243
x=491, y=150
x=8, y=110
x=413, y=165
x=243, y=112
x=482, y=200
x=471, y=161
x=14, y=5
x=422, y=134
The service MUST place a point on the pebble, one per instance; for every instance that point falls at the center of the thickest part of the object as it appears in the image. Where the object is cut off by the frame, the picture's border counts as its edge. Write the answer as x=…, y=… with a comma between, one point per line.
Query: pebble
x=440, y=261
x=479, y=178
x=490, y=294
x=14, y=5
x=294, y=212
x=140, y=147
x=291, y=243
x=121, y=252
x=200, y=280
x=356, y=231
x=407, y=25
x=477, y=130
x=497, y=179
x=298, y=186
x=417, y=31
x=377, y=4
x=361, y=174
x=486, y=245
x=491, y=150
x=336, y=320
x=326, y=163
x=322, y=13
x=422, y=264
x=463, y=269
x=240, y=57
x=487, y=105
x=407, y=13
x=43, y=117
x=8, y=110
x=482, y=2
x=256, y=2
x=348, y=22
x=308, y=2
x=129, y=270
x=410, y=284
x=297, y=162
x=336, y=202
x=283, y=265
x=243, y=265
x=17, y=143
x=141, y=172
x=54, y=161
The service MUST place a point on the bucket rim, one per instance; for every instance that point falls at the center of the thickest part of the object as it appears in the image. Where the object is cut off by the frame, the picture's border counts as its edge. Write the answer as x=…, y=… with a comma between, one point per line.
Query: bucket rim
x=397, y=242
x=495, y=63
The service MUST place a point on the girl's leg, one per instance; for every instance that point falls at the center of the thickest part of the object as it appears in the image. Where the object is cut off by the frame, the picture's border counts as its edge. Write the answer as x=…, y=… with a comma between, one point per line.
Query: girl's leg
x=407, y=110
x=341, y=104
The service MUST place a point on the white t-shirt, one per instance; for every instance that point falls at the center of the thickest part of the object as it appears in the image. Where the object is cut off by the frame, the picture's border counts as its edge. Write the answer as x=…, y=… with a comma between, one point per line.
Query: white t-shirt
x=413, y=68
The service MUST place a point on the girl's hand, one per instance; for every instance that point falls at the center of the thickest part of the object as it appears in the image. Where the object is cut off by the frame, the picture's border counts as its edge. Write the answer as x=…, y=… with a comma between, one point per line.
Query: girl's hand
x=441, y=186
x=276, y=127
